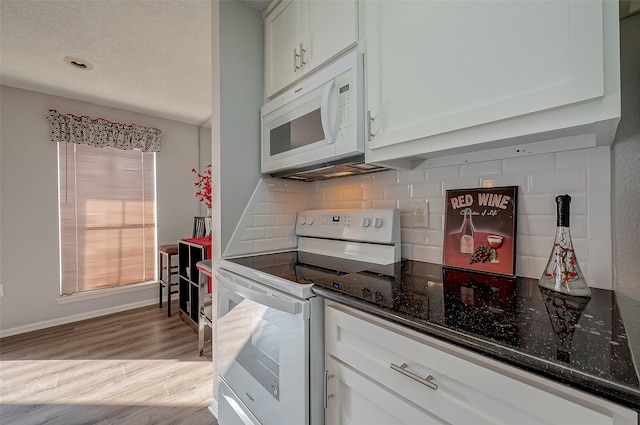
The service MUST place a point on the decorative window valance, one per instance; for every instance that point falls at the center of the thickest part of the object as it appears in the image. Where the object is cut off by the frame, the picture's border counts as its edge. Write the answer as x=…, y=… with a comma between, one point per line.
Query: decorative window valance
x=102, y=133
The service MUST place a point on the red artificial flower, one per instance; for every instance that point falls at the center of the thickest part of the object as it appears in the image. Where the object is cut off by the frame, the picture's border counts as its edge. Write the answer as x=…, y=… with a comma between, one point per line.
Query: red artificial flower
x=204, y=186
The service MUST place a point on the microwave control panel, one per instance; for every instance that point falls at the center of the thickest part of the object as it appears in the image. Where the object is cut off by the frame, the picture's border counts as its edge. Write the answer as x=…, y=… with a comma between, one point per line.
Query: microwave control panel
x=344, y=88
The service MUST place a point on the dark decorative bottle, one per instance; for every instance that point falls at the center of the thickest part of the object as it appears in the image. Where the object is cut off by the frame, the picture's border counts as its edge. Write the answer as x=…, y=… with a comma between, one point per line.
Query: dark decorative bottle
x=466, y=233
x=563, y=273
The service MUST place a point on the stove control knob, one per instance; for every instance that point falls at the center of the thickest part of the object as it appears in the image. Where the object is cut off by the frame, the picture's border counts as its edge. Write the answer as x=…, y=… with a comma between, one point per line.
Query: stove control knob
x=309, y=220
x=366, y=222
x=377, y=222
x=302, y=220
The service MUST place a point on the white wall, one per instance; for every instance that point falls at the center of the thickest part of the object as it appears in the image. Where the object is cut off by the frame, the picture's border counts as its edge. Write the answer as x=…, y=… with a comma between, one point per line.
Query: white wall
x=626, y=168
x=28, y=207
x=236, y=127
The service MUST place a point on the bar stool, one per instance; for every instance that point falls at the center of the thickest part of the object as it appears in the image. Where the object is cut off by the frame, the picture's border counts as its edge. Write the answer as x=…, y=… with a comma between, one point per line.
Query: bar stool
x=205, y=302
x=167, y=252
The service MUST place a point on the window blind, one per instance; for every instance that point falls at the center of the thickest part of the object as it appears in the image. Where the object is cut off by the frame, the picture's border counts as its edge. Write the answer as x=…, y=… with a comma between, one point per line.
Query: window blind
x=107, y=217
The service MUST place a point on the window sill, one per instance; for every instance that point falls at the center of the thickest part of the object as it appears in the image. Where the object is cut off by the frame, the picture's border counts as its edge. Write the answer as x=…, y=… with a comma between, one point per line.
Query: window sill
x=106, y=292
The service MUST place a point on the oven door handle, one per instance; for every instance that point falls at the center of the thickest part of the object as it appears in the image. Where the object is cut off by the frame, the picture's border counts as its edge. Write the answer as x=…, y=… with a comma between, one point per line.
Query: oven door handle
x=262, y=295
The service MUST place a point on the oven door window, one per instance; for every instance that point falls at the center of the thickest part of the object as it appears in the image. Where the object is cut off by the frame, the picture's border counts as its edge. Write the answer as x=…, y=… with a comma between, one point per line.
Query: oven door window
x=261, y=355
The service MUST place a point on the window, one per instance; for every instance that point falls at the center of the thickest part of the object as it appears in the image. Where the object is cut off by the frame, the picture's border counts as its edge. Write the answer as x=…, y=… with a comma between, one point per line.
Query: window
x=107, y=217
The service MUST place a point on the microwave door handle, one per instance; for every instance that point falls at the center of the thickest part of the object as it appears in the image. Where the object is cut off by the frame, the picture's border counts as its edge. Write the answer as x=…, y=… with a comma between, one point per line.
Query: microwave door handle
x=325, y=114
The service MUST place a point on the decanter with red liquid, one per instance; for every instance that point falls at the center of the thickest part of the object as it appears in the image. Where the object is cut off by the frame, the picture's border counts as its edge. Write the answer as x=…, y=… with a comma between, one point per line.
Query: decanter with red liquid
x=563, y=273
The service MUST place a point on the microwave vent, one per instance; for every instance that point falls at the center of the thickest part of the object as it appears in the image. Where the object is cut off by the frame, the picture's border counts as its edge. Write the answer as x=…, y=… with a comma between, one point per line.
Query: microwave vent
x=341, y=168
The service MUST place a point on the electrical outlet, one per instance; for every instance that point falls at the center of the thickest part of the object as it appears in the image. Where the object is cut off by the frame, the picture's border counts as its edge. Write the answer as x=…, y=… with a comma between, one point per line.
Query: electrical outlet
x=421, y=214
x=1, y=291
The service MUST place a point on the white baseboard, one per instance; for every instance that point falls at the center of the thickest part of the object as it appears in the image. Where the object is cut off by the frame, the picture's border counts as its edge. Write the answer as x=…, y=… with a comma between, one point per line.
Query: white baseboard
x=75, y=318
x=213, y=408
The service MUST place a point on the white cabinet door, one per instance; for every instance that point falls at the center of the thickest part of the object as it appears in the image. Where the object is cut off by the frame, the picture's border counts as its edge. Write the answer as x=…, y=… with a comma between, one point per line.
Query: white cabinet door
x=436, y=67
x=415, y=370
x=329, y=28
x=282, y=43
x=301, y=36
x=356, y=400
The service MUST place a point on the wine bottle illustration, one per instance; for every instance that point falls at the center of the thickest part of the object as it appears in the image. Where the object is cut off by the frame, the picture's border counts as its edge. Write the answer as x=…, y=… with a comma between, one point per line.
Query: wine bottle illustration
x=466, y=233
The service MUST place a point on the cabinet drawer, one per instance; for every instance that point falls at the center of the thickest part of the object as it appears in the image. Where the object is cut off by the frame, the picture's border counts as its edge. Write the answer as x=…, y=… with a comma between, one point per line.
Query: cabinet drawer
x=356, y=400
x=466, y=392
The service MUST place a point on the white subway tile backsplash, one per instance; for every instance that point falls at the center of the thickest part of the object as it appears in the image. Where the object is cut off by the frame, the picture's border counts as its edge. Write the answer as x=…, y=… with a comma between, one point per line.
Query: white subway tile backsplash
x=427, y=253
x=435, y=238
x=460, y=183
x=385, y=178
x=426, y=190
x=443, y=173
x=579, y=226
x=599, y=270
x=536, y=265
x=558, y=181
x=373, y=193
x=506, y=180
x=522, y=224
x=285, y=219
x=264, y=220
x=523, y=164
x=414, y=236
x=578, y=203
x=534, y=246
x=584, y=174
x=568, y=160
x=276, y=244
x=599, y=169
x=477, y=169
x=384, y=204
x=413, y=176
x=436, y=221
x=542, y=225
x=436, y=205
x=253, y=233
x=401, y=191
x=536, y=204
x=599, y=215
x=277, y=232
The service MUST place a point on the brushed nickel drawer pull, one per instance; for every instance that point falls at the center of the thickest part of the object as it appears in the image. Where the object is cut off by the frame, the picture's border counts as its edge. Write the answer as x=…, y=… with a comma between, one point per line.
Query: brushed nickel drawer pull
x=424, y=381
x=370, y=120
x=327, y=396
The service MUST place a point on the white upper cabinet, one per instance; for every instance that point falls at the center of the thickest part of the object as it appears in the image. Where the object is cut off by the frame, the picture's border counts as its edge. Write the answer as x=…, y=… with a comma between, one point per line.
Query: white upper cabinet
x=451, y=77
x=300, y=36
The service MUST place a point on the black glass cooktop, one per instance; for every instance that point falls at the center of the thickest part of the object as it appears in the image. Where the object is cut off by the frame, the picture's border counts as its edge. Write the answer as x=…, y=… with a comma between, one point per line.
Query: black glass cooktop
x=578, y=341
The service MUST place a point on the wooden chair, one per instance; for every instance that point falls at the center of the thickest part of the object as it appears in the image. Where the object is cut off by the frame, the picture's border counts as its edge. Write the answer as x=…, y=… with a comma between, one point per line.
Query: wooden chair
x=166, y=270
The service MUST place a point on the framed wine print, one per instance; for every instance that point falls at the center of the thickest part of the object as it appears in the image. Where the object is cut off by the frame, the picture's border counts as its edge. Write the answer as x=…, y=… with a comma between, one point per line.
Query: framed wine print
x=480, y=230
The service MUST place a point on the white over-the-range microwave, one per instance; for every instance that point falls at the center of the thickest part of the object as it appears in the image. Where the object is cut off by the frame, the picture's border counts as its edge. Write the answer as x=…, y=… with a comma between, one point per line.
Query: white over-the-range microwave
x=315, y=130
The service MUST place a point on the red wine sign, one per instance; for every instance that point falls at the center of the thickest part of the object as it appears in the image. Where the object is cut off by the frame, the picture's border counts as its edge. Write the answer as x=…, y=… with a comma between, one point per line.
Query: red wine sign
x=480, y=230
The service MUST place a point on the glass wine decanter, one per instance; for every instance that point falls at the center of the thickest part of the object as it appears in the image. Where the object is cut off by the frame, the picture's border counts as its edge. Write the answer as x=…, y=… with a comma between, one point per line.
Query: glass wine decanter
x=562, y=273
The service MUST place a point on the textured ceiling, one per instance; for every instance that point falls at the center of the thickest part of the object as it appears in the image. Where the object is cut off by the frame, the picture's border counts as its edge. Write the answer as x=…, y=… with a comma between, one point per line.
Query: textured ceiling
x=148, y=56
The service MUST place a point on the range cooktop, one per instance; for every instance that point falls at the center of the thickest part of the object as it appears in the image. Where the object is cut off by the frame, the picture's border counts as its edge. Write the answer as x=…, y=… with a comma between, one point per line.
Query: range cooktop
x=367, y=281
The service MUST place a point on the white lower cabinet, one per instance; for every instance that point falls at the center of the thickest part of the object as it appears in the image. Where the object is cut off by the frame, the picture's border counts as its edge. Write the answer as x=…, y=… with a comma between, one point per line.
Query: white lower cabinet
x=382, y=373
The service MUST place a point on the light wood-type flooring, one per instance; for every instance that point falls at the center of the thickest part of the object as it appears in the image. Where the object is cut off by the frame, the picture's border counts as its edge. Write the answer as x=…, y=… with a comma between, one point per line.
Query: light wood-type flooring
x=137, y=367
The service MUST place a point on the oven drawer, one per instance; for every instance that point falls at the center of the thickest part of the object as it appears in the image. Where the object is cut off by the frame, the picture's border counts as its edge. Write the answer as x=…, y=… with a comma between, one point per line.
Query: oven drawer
x=450, y=388
x=231, y=410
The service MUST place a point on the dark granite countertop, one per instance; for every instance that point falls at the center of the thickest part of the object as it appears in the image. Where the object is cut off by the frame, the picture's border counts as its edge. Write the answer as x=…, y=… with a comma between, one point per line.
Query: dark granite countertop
x=579, y=342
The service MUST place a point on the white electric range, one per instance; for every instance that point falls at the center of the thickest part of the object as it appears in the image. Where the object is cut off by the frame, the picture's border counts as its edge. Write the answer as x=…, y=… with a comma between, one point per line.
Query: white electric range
x=269, y=332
